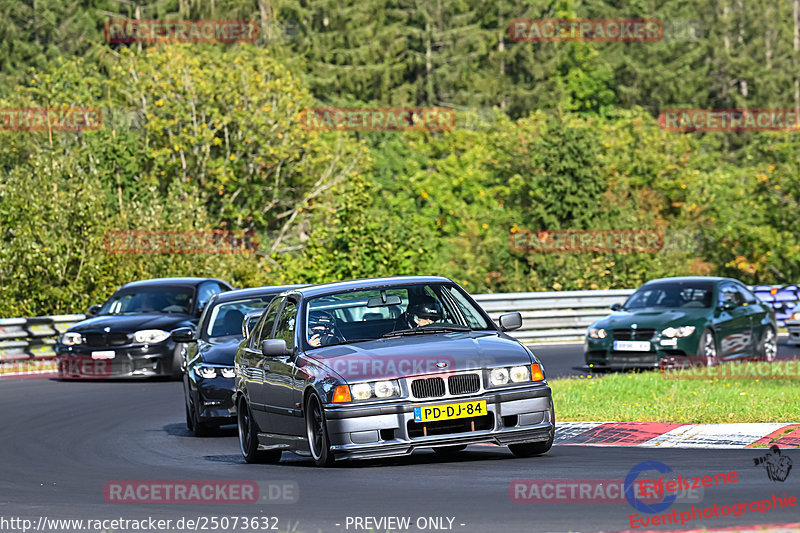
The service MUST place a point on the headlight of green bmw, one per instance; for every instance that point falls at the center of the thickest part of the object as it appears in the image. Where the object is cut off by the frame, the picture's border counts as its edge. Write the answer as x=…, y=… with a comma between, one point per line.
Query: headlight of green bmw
x=597, y=333
x=681, y=331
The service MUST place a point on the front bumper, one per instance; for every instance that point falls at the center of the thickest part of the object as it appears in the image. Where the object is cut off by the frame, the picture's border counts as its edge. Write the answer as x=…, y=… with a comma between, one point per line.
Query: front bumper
x=600, y=353
x=518, y=416
x=794, y=331
x=215, y=400
x=131, y=361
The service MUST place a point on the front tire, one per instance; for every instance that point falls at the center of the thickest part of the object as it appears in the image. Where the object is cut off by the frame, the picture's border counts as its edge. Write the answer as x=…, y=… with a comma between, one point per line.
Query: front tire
x=248, y=437
x=768, y=348
x=317, y=431
x=529, y=449
x=707, y=349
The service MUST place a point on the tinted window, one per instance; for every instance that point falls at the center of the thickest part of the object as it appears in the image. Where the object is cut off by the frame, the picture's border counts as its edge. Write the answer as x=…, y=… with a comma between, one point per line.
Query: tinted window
x=671, y=295
x=206, y=290
x=149, y=300
x=748, y=297
x=226, y=318
x=729, y=292
x=286, y=324
x=265, y=328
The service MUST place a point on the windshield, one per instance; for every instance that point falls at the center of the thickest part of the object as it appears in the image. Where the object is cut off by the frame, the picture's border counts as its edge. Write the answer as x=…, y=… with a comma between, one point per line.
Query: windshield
x=226, y=318
x=672, y=295
x=150, y=300
x=370, y=314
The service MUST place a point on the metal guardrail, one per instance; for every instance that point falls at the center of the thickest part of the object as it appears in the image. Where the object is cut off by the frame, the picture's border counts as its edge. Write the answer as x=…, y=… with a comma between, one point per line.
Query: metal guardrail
x=546, y=316
x=22, y=339
x=553, y=316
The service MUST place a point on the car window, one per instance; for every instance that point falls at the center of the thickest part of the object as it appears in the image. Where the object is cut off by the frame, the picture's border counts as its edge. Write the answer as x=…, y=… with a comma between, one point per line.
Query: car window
x=286, y=323
x=265, y=328
x=226, y=318
x=671, y=295
x=206, y=290
x=747, y=296
x=149, y=300
x=729, y=292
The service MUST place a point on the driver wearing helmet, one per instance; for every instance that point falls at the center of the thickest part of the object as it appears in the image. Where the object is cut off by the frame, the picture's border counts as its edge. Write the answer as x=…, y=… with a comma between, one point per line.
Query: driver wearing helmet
x=322, y=329
x=422, y=312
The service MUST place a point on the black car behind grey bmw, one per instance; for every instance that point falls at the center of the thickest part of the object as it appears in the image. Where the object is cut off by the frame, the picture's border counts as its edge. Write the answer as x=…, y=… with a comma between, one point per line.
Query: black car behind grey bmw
x=208, y=379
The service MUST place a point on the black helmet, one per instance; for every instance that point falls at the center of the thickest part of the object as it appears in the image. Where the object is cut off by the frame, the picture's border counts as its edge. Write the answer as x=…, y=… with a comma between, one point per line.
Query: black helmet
x=322, y=319
x=425, y=308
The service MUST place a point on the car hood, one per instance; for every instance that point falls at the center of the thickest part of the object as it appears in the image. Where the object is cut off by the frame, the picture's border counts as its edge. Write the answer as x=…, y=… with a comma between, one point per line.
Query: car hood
x=651, y=317
x=132, y=323
x=422, y=354
x=220, y=354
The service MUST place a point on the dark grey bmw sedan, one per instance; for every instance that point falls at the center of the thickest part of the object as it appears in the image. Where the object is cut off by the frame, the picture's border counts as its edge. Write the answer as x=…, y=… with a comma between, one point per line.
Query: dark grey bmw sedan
x=380, y=367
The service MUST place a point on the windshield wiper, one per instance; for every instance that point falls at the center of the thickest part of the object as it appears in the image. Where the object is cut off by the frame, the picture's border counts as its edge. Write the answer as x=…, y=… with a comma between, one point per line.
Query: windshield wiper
x=425, y=329
x=343, y=342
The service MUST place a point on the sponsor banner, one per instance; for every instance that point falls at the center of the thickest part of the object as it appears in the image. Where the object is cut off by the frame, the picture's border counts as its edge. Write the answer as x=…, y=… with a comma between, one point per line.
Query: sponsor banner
x=729, y=120
x=50, y=119
x=378, y=119
x=125, y=31
x=585, y=30
x=180, y=242
x=585, y=241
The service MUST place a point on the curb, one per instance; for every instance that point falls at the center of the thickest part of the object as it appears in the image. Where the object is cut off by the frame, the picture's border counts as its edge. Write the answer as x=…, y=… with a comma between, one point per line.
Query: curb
x=675, y=435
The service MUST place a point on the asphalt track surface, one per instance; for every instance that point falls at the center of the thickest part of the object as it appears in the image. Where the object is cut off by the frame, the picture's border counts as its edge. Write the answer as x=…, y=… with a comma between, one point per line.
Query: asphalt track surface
x=63, y=441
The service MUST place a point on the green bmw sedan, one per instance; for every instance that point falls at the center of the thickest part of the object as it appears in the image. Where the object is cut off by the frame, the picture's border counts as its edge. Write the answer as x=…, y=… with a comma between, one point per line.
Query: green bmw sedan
x=672, y=322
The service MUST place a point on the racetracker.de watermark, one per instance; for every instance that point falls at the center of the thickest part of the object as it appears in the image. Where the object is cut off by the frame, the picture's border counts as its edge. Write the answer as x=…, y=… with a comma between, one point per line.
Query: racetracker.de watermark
x=180, y=242
x=733, y=371
x=50, y=118
x=387, y=367
x=180, y=31
x=596, y=30
x=200, y=492
x=619, y=241
x=378, y=119
x=589, y=490
x=729, y=120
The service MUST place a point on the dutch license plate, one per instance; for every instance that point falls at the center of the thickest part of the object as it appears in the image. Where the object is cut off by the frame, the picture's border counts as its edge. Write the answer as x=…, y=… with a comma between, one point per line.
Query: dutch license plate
x=104, y=354
x=632, y=346
x=450, y=411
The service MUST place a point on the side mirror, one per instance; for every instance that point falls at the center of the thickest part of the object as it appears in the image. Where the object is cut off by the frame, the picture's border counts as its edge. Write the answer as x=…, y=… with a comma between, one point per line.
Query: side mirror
x=250, y=320
x=94, y=309
x=510, y=321
x=274, y=348
x=616, y=306
x=185, y=334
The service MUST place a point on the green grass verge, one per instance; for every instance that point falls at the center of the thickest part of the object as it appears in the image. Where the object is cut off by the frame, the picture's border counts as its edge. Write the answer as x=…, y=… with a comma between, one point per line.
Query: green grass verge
x=648, y=397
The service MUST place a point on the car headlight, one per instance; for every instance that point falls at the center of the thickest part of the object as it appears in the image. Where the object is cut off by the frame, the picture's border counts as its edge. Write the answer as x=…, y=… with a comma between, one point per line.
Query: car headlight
x=515, y=374
x=498, y=376
x=682, y=331
x=796, y=316
x=211, y=371
x=597, y=333
x=150, y=336
x=71, y=338
x=365, y=391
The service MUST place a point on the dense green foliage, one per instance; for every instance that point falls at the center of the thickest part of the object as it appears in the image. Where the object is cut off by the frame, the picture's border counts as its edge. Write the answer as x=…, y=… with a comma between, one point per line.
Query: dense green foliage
x=548, y=136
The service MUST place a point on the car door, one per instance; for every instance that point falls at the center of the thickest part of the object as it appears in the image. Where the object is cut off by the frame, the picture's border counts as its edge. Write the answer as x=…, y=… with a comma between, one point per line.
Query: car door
x=280, y=384
x=734, y=332
x=252, y=368
x=757, y=314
